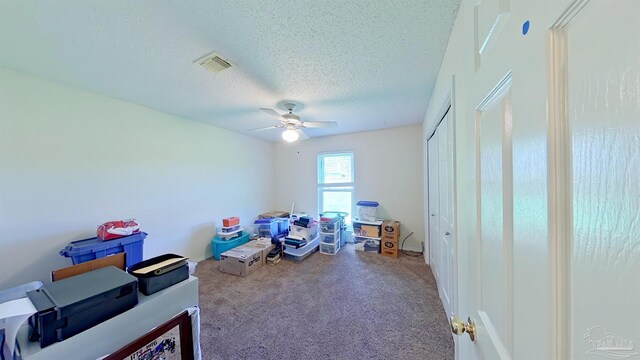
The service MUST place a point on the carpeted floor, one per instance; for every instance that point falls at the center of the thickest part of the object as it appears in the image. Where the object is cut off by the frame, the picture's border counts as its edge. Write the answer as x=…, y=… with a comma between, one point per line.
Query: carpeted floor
x=350, y=306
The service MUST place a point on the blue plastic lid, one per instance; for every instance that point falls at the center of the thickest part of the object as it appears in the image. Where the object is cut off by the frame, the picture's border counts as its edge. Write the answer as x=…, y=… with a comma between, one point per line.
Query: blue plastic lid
x=368, y=203
x=95, y=244
x=264, y=221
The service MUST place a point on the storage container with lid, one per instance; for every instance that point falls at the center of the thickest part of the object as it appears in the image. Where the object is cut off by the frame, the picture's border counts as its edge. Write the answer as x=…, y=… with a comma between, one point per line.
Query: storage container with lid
x=266, y=227
x=93, y=248
x=367, y=210
x=329, y=249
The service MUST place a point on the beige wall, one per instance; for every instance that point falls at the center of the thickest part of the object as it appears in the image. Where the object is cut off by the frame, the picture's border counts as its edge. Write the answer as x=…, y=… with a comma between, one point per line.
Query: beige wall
x=71, y=159
x=388, y=169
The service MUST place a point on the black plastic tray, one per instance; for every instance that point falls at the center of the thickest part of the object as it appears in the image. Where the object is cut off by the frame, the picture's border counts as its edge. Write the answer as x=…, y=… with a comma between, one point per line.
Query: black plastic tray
x=152, y=283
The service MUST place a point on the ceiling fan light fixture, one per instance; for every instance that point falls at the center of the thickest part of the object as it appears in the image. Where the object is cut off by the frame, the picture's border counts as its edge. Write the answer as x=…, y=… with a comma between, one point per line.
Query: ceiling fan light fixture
x=290, y=135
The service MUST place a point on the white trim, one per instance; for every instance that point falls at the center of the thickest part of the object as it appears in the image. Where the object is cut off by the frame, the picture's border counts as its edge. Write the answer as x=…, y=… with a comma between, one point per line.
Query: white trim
x=559, y=180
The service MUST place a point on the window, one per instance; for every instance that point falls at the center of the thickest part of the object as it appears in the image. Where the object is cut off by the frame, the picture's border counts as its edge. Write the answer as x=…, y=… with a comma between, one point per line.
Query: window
x=336, y=182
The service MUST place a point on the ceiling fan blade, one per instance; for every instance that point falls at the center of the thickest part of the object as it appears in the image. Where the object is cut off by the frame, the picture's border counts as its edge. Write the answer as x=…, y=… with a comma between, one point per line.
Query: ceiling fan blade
x=267, y=128
x=273, y=114
x=320, y=124
x=303, y=135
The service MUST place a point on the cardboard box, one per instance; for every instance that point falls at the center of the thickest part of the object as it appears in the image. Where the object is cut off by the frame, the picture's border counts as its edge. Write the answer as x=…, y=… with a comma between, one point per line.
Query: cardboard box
x=391, y=230
x=386, y=244
x=389, y=253
x=242, y=260
x=372, y=231
x=274, y=214
x=116, y=260
x=266, y=249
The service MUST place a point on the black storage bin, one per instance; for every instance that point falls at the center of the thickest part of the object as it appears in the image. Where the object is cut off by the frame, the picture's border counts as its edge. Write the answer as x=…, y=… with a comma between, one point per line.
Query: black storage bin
x=162, y=278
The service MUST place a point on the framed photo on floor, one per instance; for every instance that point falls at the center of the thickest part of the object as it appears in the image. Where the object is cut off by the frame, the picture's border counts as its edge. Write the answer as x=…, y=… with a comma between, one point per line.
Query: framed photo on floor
x=169, y=341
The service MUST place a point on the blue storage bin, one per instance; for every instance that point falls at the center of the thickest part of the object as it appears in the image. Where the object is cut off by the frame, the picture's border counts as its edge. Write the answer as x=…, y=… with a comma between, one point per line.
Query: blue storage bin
x=283, y=226
x=93, y=248
x=266, y=227
x=219, y=245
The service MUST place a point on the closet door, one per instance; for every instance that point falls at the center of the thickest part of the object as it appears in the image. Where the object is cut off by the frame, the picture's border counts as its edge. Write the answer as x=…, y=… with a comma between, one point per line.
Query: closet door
x=445, y=218
x=432, y=148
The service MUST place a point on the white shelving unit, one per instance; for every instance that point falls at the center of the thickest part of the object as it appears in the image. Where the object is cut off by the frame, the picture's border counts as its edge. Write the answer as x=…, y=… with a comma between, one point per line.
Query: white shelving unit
x=368, y=239
x=330, y=241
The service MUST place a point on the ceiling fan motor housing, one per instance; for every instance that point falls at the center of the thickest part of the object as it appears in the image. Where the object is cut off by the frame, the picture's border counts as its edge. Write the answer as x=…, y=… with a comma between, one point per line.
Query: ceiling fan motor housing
x=292, y=118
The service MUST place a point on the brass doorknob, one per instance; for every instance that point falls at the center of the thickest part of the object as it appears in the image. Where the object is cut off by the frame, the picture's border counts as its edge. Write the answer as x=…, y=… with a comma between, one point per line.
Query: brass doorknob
x=458, y=326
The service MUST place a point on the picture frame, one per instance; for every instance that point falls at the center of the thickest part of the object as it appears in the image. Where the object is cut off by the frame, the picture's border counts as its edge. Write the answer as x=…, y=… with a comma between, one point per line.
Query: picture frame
x=171, y=341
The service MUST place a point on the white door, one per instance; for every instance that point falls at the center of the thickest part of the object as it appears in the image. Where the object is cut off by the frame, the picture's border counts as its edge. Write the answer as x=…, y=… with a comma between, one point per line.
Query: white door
x=602, y=44
x=445, y=218
x=505, y=257
x=543, y=282
x=432, y=146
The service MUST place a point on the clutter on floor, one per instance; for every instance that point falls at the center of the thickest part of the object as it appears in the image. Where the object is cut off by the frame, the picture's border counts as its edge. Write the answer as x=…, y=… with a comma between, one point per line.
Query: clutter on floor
x=298, y=236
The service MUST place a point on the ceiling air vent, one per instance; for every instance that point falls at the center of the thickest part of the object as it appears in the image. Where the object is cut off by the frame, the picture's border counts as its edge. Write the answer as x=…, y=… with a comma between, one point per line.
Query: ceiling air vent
x=214, y=62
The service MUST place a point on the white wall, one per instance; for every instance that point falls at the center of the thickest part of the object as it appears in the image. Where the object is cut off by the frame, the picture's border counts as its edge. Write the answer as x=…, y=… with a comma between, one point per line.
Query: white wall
x=71, y=159
x=388, y=169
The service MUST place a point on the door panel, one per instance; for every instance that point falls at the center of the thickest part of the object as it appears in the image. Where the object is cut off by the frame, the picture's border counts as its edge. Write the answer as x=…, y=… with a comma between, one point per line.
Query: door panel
x=495, y=300
x=432, y=146
x=603, y=102
x=445, y=235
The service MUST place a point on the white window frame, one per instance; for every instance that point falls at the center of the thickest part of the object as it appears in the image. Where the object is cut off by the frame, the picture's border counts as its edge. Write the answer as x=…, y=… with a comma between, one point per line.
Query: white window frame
x=335, y=187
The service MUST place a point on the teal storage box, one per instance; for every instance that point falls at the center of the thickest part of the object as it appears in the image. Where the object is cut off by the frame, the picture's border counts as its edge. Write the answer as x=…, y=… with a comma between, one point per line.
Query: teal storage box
x=219, y=245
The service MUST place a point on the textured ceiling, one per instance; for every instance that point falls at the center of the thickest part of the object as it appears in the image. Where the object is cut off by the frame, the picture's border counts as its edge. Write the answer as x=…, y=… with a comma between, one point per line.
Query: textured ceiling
x=365, y=64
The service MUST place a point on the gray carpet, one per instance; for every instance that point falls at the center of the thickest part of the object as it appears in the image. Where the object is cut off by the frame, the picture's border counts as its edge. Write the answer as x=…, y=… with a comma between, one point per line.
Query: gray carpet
x=350, y=306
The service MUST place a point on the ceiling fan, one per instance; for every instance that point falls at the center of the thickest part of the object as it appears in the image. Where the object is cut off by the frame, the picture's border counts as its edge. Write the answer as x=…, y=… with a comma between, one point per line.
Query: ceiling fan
x=293, y=125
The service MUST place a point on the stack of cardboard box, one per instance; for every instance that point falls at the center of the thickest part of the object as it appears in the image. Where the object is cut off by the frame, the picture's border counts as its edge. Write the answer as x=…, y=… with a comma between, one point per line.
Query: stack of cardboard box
x=245, y=259
x=390, y=238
